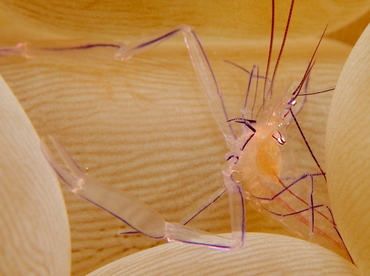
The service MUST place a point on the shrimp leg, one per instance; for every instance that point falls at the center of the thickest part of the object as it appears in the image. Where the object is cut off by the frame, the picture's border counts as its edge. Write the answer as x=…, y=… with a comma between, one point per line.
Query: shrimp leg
x=201, y=66
x=236, y=207
x=135, y=213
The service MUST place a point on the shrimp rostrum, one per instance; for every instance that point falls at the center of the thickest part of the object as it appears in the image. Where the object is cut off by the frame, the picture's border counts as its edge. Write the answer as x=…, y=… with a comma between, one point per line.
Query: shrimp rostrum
x=256, y=169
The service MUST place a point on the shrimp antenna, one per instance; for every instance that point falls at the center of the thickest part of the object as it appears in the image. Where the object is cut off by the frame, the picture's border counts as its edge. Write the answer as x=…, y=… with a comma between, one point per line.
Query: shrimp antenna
x=83, y=47
x=281, y=47
x=309, y=67
x=270, y=49
x=296, y=94
x=304, y=80
x=317, y=92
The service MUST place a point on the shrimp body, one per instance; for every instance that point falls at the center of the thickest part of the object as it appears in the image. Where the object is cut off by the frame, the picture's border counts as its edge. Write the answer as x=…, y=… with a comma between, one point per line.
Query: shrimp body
x=259, y=155
x=259, y=163
x=263, y=163
x=261, y=149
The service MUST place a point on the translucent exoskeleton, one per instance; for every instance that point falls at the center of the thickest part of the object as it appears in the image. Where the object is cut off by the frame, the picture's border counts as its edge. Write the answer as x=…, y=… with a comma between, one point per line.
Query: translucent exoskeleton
x=137, y=214
x=256, y=168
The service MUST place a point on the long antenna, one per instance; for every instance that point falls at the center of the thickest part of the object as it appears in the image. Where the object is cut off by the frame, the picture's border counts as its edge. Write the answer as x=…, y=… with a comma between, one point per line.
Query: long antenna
x=270, y=50
x=282, y=45
x=309, y=67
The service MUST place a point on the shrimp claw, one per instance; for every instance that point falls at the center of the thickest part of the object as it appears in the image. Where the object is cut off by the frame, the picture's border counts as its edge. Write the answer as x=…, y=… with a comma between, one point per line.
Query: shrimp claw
x=139, y=215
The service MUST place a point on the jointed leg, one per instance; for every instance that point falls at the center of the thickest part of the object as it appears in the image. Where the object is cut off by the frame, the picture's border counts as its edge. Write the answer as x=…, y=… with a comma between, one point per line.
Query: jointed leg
x=201, y=65
x=142, y=217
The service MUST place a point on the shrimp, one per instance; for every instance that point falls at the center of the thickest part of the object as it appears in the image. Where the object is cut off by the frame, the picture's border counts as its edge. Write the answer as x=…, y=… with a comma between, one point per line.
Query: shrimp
x=260, y=167
x=262, y=160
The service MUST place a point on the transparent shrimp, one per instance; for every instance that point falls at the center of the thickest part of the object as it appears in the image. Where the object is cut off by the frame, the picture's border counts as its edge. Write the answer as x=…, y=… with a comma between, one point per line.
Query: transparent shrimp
x=260, y=166
x=262, y=160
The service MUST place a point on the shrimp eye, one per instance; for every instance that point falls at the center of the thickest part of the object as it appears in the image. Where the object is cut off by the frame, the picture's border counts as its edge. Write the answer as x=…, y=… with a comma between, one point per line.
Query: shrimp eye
x=279, y=137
